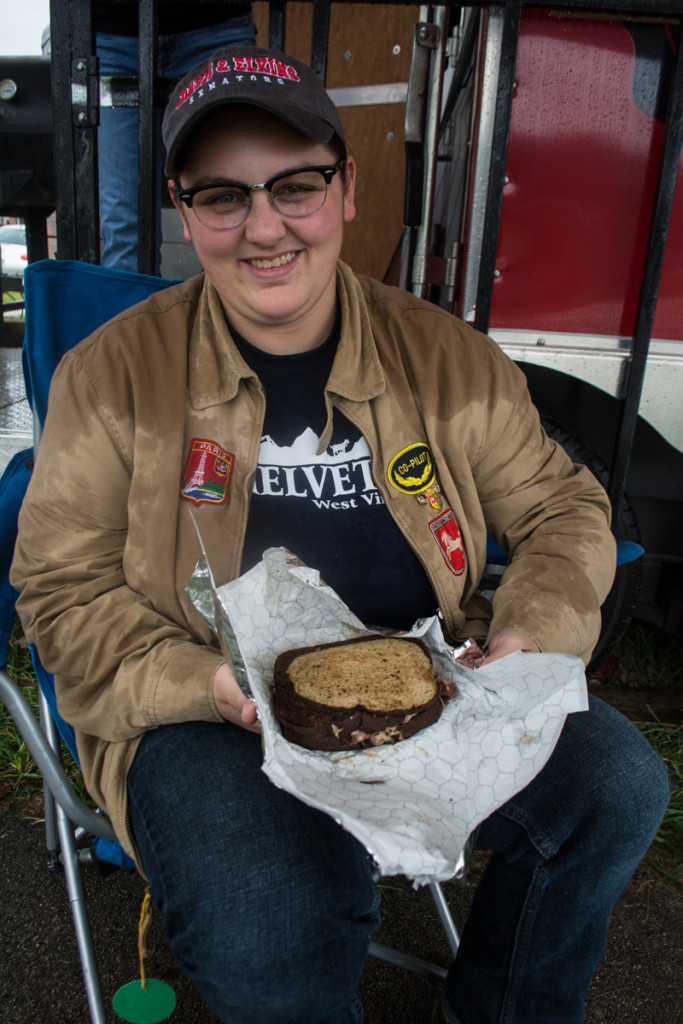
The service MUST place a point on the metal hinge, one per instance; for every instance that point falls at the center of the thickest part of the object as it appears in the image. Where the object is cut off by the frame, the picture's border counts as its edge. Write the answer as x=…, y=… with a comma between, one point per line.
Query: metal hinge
x=427, y=34
x=85, y=92
x=437, y=270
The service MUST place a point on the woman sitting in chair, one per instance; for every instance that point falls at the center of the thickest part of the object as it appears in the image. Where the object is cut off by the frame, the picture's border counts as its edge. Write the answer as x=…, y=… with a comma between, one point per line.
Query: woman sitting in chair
x=159, y=419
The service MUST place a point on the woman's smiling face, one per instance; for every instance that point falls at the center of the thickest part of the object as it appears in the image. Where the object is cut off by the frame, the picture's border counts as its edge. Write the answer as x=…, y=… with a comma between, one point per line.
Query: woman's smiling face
x=275, y=274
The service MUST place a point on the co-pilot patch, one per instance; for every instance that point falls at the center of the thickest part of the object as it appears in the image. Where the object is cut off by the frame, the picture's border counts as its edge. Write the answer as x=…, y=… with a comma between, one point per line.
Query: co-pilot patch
x=412, y=472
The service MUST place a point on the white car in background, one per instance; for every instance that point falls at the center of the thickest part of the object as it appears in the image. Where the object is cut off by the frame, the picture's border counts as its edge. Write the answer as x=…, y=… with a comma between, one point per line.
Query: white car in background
x=13, y=254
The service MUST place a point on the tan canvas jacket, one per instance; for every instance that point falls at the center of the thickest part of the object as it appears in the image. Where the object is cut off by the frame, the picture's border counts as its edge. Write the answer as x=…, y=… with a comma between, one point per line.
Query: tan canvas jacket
x=107, y=543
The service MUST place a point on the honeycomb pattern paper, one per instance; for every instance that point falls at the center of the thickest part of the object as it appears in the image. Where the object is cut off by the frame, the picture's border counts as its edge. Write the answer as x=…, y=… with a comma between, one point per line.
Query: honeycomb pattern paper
x=415, y=803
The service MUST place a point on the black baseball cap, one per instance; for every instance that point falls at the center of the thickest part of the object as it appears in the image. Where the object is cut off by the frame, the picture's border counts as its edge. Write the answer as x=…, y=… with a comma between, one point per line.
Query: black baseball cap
x=263, y=78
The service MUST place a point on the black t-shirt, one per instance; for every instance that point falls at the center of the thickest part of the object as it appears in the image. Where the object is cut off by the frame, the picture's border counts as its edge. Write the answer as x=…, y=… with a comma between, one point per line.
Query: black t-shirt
x=326, y=509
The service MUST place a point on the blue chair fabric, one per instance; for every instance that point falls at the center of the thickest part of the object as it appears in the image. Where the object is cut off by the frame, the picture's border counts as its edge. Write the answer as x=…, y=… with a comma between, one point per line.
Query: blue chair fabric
x=13, y=484
x=65, y=302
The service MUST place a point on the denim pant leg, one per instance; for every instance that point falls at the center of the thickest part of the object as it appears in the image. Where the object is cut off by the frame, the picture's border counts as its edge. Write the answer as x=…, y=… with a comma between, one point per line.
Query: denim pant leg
x=117, y=159
x=179, y=53
x=117, y=138
x=563, y=850
x=268, y=905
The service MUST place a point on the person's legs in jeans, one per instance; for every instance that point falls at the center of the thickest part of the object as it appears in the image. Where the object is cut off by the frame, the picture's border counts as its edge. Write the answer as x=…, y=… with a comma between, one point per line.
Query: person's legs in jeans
x=117, y=137
x=563, y=850
x=117, y=153
x=179, y=53
x=268, y=905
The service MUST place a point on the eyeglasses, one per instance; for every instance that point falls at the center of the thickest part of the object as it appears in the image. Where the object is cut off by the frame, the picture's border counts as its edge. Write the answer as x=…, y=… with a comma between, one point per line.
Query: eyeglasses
x=295, y=194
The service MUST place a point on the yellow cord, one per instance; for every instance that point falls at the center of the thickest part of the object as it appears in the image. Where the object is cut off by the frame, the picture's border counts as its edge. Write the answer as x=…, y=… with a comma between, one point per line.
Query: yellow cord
x=145, y=917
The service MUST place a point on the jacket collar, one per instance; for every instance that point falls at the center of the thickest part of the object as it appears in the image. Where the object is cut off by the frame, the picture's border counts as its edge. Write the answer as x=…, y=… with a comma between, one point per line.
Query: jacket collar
x=356, y=372
x=215, y=367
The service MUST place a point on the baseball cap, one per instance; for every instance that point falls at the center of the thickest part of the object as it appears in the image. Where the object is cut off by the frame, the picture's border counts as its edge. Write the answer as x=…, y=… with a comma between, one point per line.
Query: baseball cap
x=263, y=78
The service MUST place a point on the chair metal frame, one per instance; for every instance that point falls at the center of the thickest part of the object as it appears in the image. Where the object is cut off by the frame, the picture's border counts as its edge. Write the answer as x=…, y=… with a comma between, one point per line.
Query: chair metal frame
x=67, y=820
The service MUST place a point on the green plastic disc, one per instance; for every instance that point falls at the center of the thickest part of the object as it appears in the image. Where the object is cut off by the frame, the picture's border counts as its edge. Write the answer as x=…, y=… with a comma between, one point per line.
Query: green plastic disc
x=149, y=1005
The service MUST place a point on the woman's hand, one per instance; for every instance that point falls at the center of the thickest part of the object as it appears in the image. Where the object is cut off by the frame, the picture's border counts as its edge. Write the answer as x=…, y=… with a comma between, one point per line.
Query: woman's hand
x=231, y=702
x=507, y=642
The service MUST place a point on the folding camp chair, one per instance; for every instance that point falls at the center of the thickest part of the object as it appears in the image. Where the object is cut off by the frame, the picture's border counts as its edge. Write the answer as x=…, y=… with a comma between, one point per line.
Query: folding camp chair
x=65, y=301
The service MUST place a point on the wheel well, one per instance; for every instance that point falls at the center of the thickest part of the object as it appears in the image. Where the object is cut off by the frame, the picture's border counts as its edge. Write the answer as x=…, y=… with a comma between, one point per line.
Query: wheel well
x=653, y=506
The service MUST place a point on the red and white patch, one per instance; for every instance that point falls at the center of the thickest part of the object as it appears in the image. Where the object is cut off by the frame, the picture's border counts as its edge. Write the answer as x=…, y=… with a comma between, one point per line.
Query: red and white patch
x=447, y=534
x=207, y=473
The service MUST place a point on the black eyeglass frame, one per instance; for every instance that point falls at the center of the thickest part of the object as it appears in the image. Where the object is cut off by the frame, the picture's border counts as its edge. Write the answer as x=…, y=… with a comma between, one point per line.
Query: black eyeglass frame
x=186, y=195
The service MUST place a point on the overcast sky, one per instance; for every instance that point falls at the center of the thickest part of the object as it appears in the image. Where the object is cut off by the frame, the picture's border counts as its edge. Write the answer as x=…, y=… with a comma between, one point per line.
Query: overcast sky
x=21, y=26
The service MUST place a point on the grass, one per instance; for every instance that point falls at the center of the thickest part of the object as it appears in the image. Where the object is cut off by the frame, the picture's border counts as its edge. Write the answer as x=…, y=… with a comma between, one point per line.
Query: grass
x=14, y=296
x=645, y=658
x=19, y=775
x=649, y=658
x=665, y=856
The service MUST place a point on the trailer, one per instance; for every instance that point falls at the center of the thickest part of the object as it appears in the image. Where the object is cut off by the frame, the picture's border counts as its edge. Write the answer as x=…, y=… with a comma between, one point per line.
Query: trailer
x=556, y=225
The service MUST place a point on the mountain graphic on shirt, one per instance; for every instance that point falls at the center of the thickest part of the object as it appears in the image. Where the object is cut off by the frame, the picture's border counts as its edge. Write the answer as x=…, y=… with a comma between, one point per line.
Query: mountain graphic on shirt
x=302, y=451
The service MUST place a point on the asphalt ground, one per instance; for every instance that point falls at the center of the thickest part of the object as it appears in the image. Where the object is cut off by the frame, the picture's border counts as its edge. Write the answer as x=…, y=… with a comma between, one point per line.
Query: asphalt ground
x=640, y=980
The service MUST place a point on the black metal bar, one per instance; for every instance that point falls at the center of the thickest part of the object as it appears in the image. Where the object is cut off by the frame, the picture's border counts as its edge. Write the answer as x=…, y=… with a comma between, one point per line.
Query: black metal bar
x=277, y=24
x=35, y=218
x=647, y=301
x=84, y=127
x=63, y=151
x=148, y=183
x=501, y=131
x=84, y=132
x=74, y=85
x=319, y=37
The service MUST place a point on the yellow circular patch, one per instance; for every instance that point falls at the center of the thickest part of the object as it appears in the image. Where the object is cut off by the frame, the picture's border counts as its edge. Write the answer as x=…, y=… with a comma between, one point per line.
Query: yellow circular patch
x=412, y=470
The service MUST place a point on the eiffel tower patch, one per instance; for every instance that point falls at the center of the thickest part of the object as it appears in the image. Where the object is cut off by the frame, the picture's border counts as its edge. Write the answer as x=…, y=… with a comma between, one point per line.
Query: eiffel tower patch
x=207, y=473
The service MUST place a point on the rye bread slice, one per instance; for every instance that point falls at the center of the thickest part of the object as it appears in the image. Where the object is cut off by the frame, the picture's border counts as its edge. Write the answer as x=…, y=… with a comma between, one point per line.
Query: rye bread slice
x=355, y=693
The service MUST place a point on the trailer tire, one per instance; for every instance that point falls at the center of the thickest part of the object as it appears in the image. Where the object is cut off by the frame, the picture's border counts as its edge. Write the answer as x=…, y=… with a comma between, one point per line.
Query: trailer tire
x=622, y=600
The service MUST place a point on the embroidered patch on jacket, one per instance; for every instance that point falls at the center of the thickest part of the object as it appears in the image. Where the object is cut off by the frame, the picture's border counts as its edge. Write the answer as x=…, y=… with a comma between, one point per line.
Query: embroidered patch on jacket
x=207, y=473
x=412, y=470
x=447, y=534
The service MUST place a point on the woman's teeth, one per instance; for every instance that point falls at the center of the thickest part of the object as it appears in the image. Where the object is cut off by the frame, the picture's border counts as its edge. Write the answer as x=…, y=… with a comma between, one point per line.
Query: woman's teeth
x=277, y=261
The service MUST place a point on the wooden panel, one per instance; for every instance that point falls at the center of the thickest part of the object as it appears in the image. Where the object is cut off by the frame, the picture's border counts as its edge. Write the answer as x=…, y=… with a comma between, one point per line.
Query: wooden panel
x=375, y=137
x=369, y=44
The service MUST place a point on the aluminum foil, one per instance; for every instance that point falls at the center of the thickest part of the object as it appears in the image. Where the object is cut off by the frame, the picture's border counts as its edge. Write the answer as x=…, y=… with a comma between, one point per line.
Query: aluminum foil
x=413, y=804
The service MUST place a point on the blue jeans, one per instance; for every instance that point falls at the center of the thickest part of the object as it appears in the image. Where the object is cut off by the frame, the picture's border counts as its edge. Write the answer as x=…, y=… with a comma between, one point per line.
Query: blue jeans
x=118, y=132
x=269, y=905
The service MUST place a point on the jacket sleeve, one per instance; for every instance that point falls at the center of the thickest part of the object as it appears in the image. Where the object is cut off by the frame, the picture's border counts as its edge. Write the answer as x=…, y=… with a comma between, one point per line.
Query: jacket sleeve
x=550, y=516
x=123, y=664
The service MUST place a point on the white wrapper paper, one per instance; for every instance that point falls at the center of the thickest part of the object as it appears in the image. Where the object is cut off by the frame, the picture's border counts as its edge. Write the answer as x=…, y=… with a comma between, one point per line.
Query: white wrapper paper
x=412, y=804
